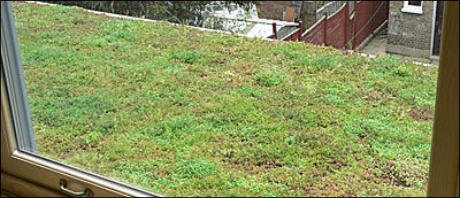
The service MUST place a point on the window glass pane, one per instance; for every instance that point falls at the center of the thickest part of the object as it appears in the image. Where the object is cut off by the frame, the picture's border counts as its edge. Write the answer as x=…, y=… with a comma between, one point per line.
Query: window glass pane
x=185, y=112
x=415, y=3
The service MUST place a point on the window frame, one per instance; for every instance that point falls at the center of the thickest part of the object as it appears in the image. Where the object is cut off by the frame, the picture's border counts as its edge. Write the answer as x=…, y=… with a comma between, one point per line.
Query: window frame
x=16, y=86
x=19, y=159
x=412, y=8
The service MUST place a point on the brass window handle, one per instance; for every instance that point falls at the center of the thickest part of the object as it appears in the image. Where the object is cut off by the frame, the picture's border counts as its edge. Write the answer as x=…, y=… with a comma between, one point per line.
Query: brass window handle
x=63, y=184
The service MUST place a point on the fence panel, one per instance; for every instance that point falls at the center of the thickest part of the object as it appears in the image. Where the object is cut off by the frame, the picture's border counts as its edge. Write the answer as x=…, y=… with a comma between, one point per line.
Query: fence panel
x=368, y=16
x=336, y=29
x=341, y=29
x=315, y=34
x=293, y=36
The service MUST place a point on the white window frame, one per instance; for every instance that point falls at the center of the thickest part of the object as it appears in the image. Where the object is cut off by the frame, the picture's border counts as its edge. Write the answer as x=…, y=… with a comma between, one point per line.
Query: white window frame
x=412, y=8
x=433, y=22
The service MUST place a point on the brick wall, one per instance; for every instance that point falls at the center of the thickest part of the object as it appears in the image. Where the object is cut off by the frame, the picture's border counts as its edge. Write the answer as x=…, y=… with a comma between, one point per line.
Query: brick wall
x=308, y=14
x=408, y=29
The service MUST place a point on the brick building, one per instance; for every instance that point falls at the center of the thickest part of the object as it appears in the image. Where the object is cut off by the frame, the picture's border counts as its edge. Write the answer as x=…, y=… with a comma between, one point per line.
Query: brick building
x=414, y=28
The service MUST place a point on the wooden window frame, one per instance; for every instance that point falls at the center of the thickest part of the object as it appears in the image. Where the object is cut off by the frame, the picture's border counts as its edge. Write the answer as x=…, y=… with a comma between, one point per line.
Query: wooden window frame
x=443, y=178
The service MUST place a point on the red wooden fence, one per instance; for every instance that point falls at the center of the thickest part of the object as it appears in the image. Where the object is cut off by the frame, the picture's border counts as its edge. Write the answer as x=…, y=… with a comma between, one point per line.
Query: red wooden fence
x=368, y=16
x=336, y=28
x=293, y=36
x=339, y=29
x=315, y=34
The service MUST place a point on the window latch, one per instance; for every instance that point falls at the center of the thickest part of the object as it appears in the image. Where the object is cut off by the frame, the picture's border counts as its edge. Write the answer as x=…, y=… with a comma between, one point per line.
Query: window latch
x=63, y=184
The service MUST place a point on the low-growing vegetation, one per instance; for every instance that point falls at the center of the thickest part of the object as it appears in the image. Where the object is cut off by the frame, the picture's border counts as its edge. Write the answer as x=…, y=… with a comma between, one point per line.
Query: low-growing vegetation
x=182, y=112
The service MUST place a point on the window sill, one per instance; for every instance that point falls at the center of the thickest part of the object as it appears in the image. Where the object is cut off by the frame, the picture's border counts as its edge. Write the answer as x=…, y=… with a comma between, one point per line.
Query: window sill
x=412, y=9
